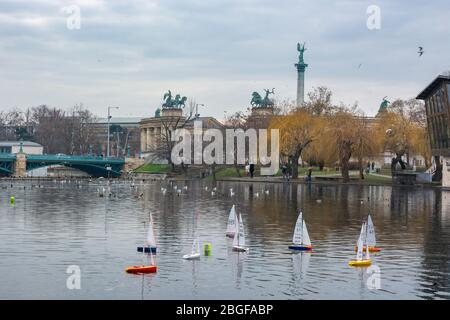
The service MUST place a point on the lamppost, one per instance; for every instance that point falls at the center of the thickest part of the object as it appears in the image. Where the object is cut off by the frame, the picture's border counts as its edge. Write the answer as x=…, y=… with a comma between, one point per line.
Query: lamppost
x=196, y=109
x=109, y=118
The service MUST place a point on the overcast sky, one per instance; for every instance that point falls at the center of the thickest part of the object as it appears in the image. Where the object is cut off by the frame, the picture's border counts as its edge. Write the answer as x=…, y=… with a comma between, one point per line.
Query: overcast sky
x=128, y=53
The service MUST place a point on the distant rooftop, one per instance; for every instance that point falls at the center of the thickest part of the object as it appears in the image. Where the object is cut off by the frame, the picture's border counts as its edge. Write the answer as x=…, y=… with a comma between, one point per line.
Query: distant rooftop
x=429, y=89
x=17, y=143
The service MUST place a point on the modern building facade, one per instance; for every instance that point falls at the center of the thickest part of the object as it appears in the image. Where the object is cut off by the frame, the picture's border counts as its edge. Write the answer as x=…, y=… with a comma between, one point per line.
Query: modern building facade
x=437, y=105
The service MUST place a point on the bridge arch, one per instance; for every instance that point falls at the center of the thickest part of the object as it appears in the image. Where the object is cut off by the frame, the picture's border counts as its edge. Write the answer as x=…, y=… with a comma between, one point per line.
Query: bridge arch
x=94, y=166
x=7, y=164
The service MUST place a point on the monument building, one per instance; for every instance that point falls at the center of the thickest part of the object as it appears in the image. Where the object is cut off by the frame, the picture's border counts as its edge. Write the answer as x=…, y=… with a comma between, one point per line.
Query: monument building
x=155, y=130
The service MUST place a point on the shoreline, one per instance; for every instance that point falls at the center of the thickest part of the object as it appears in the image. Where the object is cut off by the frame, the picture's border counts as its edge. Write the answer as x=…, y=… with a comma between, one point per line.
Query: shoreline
x=331, y=182
x=159, y=177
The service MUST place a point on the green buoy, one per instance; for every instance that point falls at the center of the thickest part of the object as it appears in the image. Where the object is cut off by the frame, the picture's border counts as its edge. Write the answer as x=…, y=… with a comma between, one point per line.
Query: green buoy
x=207, y=249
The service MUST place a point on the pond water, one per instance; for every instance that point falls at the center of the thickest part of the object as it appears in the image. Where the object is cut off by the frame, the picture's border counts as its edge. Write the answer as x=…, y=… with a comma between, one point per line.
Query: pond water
x=66, y=223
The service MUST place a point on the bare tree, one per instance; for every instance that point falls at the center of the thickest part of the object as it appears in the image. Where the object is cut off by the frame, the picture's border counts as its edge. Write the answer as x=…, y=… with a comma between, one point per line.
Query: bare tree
x=236, y=121
x=163, y=145
x=320, y=101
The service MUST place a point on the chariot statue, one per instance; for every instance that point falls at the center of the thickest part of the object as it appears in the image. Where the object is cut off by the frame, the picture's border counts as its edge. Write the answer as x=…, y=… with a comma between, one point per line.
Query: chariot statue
x=259, y=102
x=171, y=103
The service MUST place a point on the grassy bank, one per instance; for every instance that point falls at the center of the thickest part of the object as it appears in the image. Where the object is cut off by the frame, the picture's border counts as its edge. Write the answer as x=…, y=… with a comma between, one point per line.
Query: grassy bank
x=230, y=172
x=153, y=168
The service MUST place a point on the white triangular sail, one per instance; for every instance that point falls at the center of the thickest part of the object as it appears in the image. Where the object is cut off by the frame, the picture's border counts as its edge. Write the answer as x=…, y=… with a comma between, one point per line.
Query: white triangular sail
x=151, y=241
x=371, y=239
x=231, y=226
x=359, y=252
x=298, y=231
x=236, y=236
x=195, y=246
x=152, y=259
x=241, y=237
x=305, y=236
x=367, y=256
x=367, y=253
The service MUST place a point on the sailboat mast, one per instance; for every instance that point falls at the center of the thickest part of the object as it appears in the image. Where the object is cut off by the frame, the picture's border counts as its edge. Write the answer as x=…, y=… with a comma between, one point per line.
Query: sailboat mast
x=237, y=228
x=367, y=244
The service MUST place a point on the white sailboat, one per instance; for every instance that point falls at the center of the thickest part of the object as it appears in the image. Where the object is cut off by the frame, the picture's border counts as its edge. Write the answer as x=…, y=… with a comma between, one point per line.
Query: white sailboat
x=231, y=225
x=370, y=240
x=239, y=238
x=301, y=240
x=195, y=251
x=151, y=240
x=362, y=256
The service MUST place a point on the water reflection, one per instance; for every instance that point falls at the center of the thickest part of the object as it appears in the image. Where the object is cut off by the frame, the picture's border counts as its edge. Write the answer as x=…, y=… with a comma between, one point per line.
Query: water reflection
x=63, y=223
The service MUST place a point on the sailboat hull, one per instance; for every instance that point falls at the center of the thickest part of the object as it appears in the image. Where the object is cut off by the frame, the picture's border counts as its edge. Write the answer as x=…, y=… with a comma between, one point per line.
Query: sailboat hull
x=240, y=249
x=371, y=249
x=141, y=269
x=361, y=263
x=147, y=249
x=300, y=248
x=191, y=256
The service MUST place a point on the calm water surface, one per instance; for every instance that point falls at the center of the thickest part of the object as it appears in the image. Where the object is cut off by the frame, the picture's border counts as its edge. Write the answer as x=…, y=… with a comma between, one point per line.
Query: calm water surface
x=62, y=224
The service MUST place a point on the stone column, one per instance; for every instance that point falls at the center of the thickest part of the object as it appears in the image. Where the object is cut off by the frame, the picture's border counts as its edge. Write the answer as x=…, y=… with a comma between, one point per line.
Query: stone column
x=143, y=139
x=149, y=139
x=300, y=88
x=20, y=166
x=301, y=67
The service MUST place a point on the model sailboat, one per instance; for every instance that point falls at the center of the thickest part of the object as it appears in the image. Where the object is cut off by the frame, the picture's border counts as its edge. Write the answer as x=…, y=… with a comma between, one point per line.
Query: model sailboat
x=195, y=251
x=239, y=238
x=231, y=226
x=362, y=256
x=301, y=240
x=152, y=268
x=371, y=241
x=151, y=241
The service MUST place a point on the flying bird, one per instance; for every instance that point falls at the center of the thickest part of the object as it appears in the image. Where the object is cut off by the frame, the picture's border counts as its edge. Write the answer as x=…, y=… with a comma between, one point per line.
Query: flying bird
x=420, y=52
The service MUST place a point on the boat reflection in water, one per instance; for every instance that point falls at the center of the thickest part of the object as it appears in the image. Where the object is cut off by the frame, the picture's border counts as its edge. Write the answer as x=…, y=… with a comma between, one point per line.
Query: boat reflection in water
x=412, y=228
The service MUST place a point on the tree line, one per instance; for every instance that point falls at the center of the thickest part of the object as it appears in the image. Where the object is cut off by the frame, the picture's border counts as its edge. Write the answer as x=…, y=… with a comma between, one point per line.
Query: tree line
x=57, y=130
x=324, y=134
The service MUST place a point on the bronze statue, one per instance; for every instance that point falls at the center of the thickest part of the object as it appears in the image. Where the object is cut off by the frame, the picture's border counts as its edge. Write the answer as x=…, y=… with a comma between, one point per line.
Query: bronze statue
x=260, y=102
x=177, y=103
x=301, y=49
x=384, y=104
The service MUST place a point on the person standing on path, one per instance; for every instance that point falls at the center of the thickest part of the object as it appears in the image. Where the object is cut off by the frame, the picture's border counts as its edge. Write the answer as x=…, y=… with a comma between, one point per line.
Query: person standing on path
x=309, y=178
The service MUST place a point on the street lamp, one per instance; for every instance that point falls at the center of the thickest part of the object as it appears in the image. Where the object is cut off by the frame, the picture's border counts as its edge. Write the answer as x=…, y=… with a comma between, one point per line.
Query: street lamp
x=109, y=118
x=196, y=109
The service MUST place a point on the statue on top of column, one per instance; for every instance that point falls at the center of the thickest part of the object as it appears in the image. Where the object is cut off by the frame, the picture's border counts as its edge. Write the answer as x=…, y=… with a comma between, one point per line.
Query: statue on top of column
x=301, y=49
